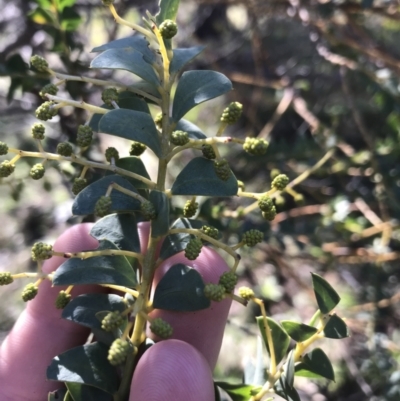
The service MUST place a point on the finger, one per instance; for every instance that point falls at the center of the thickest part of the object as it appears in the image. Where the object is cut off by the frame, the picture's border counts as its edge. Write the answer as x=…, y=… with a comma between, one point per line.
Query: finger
x=172, y=370
x=40, y=334
x=203, y=329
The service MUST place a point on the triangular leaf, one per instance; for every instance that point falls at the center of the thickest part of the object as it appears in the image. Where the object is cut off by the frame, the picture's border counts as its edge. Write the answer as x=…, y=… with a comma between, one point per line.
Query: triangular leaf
x=327, y=297
x=280, y=338
x=315, y=364
x=126, y=59
x=288, y=370
x=160, y=225
x=80, y=392
x=133, y=125
x=86, y=364
x=198, y=177
x=176, y=243
x=120, y=229
x=298, y=331
x=183, y=56
x=285, y=391
x=193, y=130
x=238, y=392
x=136, y=42
x=181, y=289
x=195, y=87
x=336, y=328
x=86, y=200
x=96, y=270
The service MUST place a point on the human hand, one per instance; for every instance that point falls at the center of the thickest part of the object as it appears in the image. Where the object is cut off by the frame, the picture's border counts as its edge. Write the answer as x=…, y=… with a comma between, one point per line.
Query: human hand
x=173, y=369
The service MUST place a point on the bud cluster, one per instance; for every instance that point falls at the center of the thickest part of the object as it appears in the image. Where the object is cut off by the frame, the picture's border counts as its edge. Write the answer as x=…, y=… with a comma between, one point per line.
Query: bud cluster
x=161, y=328
x=103, y=206
x=222, y=169
x=118, y=351
x=255, y=146
x=112, y=321
x=190, y=209
x=46, y=111
x=193, y=248
x=137, y=148
x=232, y=113
x=215, y=292
x=41, y=251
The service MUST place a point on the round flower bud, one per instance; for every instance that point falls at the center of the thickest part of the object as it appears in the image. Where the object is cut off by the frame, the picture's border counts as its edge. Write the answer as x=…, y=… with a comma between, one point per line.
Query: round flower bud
x=49, y=89
x=112, y=153
x=29, y=292
x=208, y=152
x=118, y=351
x=137, y=148
x=109, y=95
x=265, y=203
x=193, y=248
x=62, y=300
x=190, y=209
x=228, y=280
x=38, y=131
x=41, y=251
x=252, y=237
x=255, y=146
x=64, y=149
x=161, y=328
x=3, y=148
x=37, y=171
x=39, y=63
x=222, y=169
x=6, y=278
x=215, y=292
x=148, y=210
x=210, y=231
x=270, y=215
x=103, y=206
x=232, y=113
x=84, y=136
x=280, y=182
x=168, y=29
x=112, y=321
x=46, y=111
x=6, y=168
x=179, y=138
x=246, y=293
x=158, y=120
x=78, y=185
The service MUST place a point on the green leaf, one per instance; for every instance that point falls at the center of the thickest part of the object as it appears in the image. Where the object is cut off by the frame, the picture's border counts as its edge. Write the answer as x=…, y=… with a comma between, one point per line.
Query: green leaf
x=80, y=392
x=127, y=59
x=82, y=309
x=238, y=392
x=136, y=42
x=195, y=87
x=288, y=370
x=336, y=328
x=168, y=10
x=315, y=364
x=133, y=125
x=57, y=395
x=126, y=100
x=181, y=290
x=135, y=165
x=176, y=243
x=160, y=225
x=193, y=130
x=298, y=331
x=86, y=200
x=96, y=270
x=120, y=229
x=70, y=19
x=327, y=297
x=42, y=16
x=198, y=177
x=183, y=56
x=280, y=338
x=285, y=391
x=86, y=364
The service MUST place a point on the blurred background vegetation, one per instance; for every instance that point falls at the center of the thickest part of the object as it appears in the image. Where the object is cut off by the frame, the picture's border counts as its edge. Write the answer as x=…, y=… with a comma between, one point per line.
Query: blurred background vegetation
x=312, y=76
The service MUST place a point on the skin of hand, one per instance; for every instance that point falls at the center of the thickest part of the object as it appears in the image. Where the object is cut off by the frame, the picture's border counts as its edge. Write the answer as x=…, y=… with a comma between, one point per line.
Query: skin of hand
x=173, y=370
